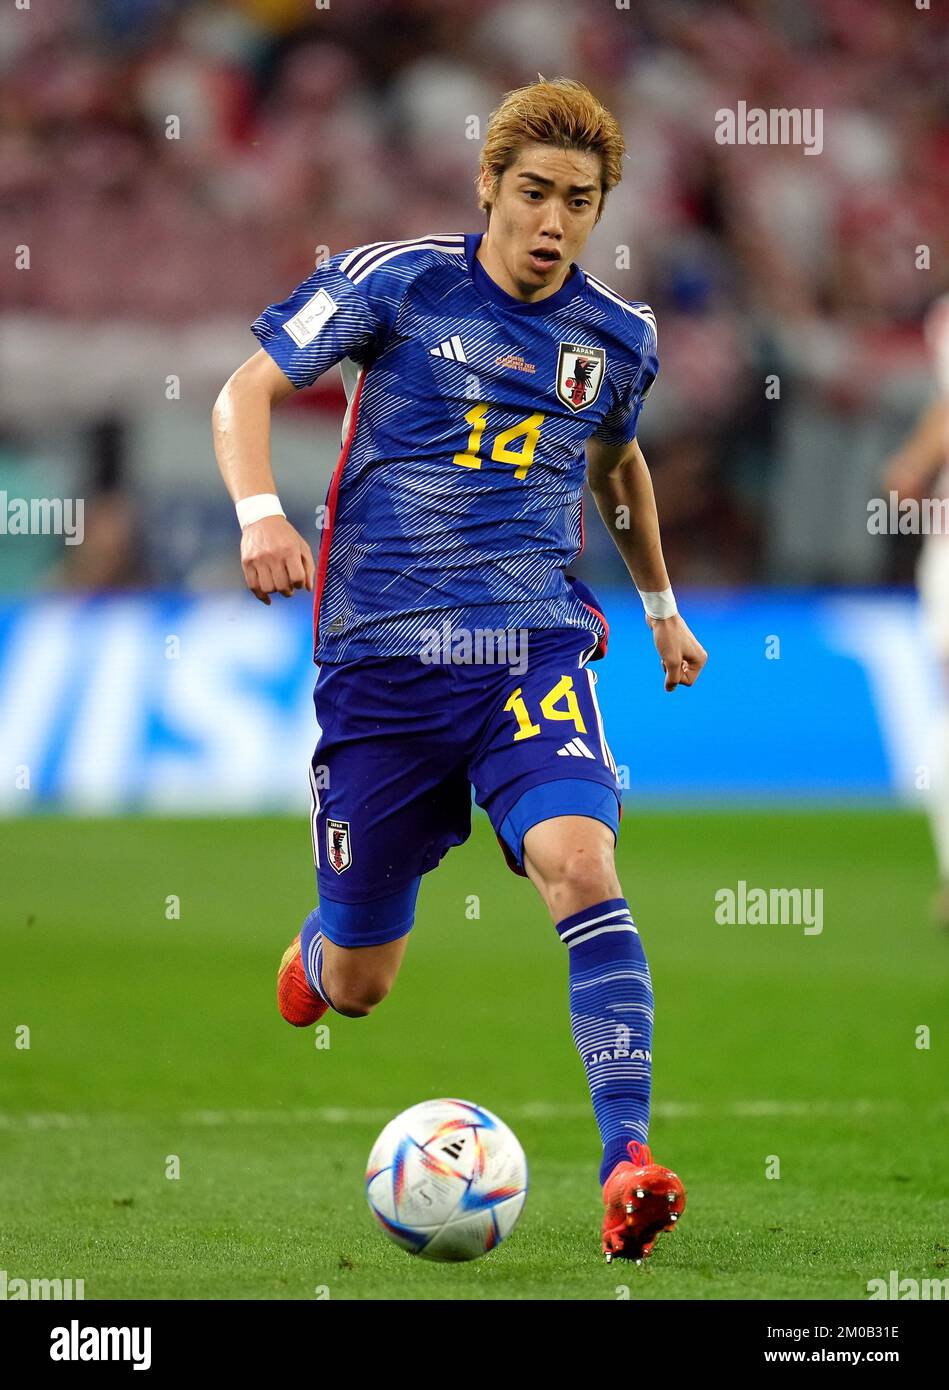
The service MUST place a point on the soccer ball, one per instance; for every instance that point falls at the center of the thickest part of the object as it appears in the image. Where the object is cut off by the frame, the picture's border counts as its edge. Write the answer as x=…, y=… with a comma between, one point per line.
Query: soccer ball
x=446, y=1180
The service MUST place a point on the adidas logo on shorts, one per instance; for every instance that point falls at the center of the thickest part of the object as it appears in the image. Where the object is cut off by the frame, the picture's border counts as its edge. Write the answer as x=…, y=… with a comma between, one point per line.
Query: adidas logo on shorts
x=576, y=748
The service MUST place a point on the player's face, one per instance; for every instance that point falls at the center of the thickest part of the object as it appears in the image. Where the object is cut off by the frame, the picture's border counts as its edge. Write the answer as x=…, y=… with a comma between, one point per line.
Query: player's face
x=541, y=215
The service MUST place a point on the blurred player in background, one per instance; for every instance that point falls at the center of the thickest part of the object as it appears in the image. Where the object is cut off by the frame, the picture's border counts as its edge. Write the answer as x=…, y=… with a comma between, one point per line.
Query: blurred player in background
x=486, y=375
x=922, y=468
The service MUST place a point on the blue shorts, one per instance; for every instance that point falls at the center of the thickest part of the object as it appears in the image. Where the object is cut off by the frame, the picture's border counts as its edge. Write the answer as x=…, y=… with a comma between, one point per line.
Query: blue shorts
x=403, y=742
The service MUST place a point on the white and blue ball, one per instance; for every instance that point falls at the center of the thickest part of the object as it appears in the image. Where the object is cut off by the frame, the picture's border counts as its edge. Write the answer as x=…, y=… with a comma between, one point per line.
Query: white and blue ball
x=447, y=1180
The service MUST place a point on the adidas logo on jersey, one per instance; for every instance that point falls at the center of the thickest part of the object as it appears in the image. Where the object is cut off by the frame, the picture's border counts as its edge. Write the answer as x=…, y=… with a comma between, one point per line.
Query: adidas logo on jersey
x=450, y=348
x=576, y=748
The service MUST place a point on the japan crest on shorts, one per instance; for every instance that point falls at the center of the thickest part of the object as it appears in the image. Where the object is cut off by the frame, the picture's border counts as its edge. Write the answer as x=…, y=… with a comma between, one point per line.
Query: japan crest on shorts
x=338, y=848
x=580, y=373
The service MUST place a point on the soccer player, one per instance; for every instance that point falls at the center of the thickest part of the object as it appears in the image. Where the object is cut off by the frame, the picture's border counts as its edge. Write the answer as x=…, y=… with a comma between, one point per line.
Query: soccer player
x=486, y=375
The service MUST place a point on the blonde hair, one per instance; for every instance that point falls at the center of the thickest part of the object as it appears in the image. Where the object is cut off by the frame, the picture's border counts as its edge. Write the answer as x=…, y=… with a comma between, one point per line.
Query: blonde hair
x=558, y=112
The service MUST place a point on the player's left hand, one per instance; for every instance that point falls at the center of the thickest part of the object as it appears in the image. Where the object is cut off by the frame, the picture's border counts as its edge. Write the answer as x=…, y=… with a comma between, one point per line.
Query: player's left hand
x=682, y=656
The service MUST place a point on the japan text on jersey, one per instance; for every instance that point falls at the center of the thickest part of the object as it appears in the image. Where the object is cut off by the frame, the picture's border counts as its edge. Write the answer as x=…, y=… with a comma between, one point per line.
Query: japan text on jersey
x=458, y=493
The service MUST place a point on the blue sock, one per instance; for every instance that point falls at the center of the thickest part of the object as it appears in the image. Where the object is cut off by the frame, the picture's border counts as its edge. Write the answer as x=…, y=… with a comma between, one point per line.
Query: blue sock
x=311, y=951
x=611, y=1018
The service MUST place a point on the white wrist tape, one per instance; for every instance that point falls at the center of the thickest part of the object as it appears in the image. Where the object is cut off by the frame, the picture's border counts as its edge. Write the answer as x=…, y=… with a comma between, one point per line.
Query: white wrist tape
x=251, y=509
x=659, y=603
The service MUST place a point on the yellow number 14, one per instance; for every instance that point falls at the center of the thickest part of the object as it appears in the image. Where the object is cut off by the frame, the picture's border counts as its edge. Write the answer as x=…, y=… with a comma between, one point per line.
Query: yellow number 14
x=563, y=690
x=528, y=430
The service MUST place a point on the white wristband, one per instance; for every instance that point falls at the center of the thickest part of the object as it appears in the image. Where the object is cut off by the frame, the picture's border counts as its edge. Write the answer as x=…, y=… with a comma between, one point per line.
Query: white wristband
x=251, y=509
x=659, y=603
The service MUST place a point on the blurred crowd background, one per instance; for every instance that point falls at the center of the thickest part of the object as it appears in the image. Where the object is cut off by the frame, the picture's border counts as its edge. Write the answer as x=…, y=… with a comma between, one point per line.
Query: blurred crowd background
x=173, y=167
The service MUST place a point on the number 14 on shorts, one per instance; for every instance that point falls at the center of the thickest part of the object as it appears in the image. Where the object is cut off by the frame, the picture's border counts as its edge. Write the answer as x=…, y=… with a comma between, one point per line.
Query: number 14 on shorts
x=549, y=707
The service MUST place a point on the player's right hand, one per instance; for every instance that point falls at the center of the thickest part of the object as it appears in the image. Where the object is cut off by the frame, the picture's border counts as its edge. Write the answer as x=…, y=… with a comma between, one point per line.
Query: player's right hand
x=275, y=558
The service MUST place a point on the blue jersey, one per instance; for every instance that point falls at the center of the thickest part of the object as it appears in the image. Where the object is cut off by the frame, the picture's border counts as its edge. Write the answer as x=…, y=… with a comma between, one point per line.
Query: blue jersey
x=457, y=498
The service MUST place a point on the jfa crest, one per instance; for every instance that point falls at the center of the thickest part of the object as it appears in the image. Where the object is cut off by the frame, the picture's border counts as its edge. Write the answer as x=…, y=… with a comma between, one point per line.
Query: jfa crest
x=580, y=373
x=338, y=848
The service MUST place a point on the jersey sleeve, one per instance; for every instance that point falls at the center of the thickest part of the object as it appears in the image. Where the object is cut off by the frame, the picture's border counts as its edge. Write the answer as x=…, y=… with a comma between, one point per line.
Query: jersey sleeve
x=620, y=422
x=324, y=320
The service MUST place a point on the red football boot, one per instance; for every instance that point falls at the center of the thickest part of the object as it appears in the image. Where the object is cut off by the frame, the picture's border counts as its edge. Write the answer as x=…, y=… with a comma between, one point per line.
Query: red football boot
x=641, y=1198
x=298, y=1003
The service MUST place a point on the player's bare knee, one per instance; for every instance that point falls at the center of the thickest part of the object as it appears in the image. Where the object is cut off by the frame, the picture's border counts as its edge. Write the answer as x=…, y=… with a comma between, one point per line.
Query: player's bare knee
x=583, y=876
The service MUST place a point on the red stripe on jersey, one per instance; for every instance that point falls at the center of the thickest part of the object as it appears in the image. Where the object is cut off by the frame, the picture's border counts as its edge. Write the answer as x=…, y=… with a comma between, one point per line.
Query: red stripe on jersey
x=604, y=640
x=601, y=646
x=326, y=539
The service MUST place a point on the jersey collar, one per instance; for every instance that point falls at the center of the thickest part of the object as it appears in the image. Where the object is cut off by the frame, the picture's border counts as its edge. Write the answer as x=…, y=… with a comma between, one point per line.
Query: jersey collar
x=487, y=287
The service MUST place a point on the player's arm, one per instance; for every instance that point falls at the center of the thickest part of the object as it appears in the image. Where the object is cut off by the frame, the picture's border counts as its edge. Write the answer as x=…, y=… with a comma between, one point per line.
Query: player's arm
x=274, y=556
x=322, y=321
x=623, y=491
x=922, y=456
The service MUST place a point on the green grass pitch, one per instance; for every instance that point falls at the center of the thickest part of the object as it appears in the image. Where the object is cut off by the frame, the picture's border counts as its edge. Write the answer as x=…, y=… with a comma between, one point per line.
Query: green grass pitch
x=153, y=1036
